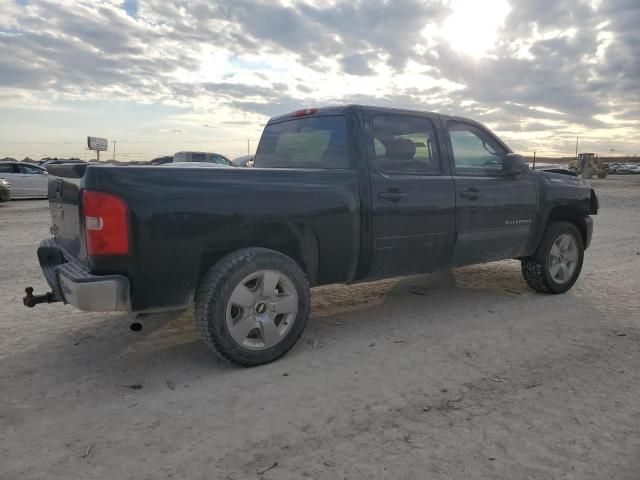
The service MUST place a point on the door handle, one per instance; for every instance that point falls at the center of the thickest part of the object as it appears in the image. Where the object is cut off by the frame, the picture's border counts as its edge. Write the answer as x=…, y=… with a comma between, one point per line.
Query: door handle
x=392, y=196
x=471, y=194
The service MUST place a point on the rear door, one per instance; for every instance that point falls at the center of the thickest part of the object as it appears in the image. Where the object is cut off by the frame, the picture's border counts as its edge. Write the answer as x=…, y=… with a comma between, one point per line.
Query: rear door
x=412, y=195
x=34, y=179
x=495, y=212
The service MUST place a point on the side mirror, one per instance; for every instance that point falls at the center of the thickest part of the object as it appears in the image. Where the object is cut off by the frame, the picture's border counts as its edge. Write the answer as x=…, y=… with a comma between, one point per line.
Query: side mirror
x=514, y=164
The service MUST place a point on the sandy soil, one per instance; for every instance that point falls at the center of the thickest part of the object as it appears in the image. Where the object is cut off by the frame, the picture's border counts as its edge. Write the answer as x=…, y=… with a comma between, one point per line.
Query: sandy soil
x=462, y=374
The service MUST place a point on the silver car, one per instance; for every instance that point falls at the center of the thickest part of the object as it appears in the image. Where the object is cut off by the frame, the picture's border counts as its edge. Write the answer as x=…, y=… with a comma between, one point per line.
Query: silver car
x=27, y=181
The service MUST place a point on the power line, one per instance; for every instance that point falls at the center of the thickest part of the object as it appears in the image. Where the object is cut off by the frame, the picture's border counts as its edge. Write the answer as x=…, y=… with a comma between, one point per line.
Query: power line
x=209, y=140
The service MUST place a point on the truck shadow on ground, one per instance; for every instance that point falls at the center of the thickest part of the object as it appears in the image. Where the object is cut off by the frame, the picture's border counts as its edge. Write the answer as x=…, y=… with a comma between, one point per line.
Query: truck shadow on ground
x=103, y=353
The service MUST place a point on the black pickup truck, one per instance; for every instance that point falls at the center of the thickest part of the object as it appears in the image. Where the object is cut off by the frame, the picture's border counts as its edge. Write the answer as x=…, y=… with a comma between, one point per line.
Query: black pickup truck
x=337, y=195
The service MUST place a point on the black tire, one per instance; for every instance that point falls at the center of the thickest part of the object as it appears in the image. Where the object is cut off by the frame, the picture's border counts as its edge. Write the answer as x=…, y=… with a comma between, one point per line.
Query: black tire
x=535, y=268
x=602, y=175
x=214, y=292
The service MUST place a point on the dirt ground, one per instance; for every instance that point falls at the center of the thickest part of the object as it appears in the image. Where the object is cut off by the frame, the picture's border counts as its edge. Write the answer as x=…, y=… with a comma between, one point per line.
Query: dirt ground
x=459, y=375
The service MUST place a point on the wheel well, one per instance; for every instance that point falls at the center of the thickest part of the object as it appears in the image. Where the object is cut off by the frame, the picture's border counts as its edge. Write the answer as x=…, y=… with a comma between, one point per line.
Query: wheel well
x=571, y=214
x=295, y=241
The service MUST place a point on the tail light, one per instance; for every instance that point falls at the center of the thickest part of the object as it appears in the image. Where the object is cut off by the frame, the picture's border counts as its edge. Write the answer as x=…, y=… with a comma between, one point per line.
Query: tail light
x=106, y=220
x=304, y=113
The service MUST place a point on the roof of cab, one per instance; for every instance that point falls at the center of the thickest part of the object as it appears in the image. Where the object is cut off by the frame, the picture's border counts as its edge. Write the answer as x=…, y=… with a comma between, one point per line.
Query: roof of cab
x=341, y=110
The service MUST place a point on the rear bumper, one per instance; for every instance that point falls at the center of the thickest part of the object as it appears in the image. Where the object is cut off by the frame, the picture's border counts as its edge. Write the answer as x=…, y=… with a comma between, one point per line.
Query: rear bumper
x=72, y=282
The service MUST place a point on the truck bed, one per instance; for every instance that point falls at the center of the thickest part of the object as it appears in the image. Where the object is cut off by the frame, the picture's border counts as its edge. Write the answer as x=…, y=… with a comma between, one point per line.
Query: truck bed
x=183, y=219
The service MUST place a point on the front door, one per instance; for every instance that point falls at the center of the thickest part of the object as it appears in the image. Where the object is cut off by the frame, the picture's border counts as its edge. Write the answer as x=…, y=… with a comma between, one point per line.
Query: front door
x=496, y=213
x=412, y=196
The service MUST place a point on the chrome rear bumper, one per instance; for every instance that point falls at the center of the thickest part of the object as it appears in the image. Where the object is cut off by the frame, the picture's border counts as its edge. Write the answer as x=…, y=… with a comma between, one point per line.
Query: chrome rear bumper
x=71, y=282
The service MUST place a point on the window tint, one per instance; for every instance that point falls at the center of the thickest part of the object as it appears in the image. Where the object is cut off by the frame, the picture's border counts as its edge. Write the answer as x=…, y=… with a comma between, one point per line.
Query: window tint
x=319, y=142
x=474, y=150
x=405, y=144
x=198, y=157
x=6, y=168
x=28, y=169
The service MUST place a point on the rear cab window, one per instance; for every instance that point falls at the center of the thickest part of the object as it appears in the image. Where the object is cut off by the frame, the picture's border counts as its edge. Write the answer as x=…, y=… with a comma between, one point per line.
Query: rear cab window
x=310, y=142
x=198, y=157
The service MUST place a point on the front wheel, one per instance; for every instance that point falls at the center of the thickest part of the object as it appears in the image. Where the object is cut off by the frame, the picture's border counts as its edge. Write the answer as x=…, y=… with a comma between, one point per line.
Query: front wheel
x=252, y=306
x=556, y=264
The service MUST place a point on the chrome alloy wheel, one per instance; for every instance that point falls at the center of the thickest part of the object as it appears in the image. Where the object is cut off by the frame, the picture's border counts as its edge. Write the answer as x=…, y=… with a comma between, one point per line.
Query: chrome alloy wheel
x=563, y=258
x=262, y=309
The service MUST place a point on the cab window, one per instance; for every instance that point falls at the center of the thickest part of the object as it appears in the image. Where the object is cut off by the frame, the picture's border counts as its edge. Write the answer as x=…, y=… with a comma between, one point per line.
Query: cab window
x=405, y=144
x=474, y=150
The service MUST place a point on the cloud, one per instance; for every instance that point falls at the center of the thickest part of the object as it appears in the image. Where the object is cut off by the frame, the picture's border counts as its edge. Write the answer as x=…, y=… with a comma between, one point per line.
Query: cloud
x=255, y=58
x=358, y=64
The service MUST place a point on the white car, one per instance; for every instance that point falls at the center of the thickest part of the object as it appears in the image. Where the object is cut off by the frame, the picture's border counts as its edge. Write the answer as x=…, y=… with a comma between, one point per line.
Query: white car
x=201, y=157
x=195, y=165
x=27, y=181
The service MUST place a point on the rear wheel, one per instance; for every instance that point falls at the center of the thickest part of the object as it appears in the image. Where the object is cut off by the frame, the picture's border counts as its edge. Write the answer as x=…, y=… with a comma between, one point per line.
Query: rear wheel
x=602, y=175
x=556, y=264
x=252, y=306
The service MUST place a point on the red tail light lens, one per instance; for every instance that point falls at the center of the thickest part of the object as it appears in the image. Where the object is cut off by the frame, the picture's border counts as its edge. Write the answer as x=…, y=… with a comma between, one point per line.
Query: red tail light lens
x=304, y=113
x=106, y=220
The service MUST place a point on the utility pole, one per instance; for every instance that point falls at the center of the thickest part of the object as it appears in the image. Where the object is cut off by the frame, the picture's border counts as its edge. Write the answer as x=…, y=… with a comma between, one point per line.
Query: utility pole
x=114, y=150
x=534, y=160
x=577, y=148
x=248, y=147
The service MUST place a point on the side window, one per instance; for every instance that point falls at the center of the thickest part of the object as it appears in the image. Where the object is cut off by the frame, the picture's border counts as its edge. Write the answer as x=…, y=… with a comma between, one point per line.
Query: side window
x=218, y=159
x=474, y=151
x=28, y=169
x=6, y=168
x=198, y=157
x=405, y=144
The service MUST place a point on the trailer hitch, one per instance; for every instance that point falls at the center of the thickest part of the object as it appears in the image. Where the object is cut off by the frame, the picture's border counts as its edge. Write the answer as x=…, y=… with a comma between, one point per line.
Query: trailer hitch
x=31, y=300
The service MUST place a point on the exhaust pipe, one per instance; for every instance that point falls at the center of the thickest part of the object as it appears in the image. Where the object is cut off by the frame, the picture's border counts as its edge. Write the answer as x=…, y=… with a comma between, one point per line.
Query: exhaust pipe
x=136, y=327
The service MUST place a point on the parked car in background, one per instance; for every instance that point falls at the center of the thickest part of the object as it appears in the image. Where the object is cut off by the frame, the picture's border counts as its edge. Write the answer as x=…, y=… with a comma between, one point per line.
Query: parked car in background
x=58, y=161
x=625, y=168
x=5, y=190
x=244, y=161
x=27, y=180
x=162, y=160
x=196, y=165
x=201, y=157
x=554, y=168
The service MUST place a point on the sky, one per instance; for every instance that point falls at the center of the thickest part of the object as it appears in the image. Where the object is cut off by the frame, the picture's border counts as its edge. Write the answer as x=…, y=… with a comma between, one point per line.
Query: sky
x=160, y=76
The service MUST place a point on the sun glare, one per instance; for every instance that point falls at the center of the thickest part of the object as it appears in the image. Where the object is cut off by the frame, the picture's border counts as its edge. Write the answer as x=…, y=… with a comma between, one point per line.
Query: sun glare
x=472, y=27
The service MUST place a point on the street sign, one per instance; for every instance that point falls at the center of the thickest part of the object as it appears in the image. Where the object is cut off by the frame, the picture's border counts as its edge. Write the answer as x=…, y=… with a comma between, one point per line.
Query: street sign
x=97, y=143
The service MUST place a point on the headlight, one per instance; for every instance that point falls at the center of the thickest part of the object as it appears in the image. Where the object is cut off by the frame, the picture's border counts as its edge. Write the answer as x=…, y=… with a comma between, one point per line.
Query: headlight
x=6, y=183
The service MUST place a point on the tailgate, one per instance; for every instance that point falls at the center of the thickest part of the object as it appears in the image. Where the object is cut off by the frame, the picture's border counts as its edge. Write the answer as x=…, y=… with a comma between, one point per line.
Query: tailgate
x=64, y=205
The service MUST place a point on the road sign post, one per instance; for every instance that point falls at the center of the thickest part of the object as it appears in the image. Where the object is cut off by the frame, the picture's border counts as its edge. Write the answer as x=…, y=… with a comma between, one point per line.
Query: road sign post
x=98, y=144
